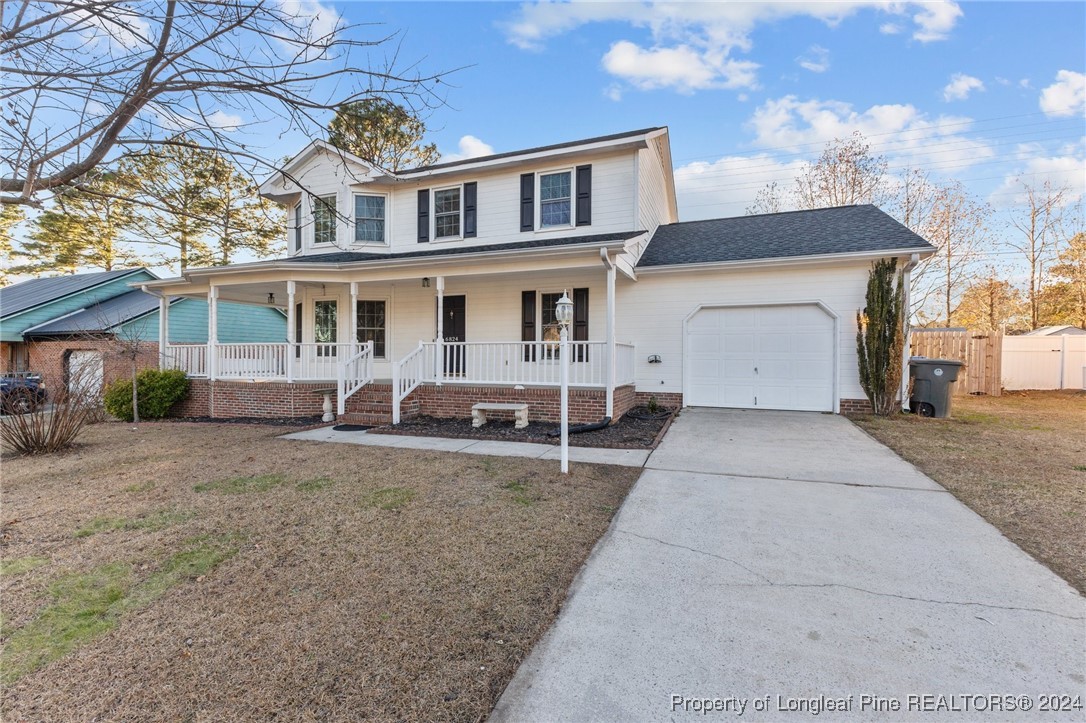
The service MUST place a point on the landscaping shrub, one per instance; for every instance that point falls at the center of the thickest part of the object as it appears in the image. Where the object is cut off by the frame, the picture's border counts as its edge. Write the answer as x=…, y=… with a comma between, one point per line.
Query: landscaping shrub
x=157, y=390
x=880, y=336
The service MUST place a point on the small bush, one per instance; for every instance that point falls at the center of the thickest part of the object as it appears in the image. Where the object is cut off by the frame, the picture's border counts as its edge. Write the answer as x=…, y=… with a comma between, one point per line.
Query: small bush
x=158, y=390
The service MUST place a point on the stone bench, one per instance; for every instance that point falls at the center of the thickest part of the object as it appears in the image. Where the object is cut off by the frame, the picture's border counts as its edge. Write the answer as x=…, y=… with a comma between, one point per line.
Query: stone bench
x=519, y=410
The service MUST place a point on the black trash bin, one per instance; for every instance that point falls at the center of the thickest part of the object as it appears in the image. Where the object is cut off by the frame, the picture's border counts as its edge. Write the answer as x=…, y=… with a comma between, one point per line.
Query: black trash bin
x=931, y=385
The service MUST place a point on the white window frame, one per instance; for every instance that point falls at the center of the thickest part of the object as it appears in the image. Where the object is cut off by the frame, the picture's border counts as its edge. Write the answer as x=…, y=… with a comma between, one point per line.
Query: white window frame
x=433, y=213
x=539, y=227
x=388, y=220
x=297, y=238
x=313, y=199
x=388, y=324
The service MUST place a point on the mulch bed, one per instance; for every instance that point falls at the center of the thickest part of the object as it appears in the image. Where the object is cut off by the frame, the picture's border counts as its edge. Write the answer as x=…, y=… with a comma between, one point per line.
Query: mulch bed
x=628, y=432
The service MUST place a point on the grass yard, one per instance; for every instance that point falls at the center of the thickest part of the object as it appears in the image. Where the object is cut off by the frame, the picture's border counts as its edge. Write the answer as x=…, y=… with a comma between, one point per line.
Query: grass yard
x=215, y=572
x=1019, y=460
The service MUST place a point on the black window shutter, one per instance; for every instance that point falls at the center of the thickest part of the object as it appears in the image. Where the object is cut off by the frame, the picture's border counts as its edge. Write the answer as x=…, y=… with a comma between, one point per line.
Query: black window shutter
x=584, y=196
x=424, y=215
x=580, y=323
x=471, y=190
x=527, y=323
x=527, y=202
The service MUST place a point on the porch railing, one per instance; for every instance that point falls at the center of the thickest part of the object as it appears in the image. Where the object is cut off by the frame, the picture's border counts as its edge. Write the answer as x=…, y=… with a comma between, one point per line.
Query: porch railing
x=354, y=373
x=624, y=364
x=300, y=362
x=516, y=362
x=189, y=358
x=407, y=374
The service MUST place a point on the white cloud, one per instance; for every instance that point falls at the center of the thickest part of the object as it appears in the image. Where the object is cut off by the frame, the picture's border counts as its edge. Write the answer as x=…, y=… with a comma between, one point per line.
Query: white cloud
x=1061, y=171
x=682, y=68
x=960, y=86
x=173, y=119
x=469, y=147
x=897, y=131
x=890, y=29
x=613, y=92
x=816, y=59
x=727, y=186
x=1065, y=97
x=695, y=42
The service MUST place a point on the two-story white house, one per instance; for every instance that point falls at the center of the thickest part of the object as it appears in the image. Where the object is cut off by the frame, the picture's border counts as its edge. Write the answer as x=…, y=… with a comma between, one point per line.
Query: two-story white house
x=431, y=289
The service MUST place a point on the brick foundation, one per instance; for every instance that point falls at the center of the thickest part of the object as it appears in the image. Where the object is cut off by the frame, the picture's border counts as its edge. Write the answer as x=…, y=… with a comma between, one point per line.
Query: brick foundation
x=667, y=400
x=544, y=404
x=266, y=400
x=855, y=406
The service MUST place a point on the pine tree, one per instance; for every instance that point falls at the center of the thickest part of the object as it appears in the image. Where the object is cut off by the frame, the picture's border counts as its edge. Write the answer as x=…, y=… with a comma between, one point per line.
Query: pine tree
x=239, y=218
x=880, y=336
x=382, y=132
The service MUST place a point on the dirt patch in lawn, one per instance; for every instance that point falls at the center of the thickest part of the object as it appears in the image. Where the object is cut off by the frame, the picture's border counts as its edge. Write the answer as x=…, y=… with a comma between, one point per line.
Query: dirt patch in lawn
x=629, y=432
x=1019, y=460
x=216, y=572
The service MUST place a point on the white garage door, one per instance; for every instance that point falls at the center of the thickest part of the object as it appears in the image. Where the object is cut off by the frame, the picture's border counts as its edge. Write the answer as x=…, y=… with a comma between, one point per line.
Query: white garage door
x=85, y=369
x=761, y=357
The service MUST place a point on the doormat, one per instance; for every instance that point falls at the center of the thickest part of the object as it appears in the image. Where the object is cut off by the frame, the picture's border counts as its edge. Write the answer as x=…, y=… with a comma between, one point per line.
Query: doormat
x=351, y=427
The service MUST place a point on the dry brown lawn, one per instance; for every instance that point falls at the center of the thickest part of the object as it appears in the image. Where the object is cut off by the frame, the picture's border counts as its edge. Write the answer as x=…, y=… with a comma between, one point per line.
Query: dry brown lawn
x=215, y=572
x=1019, y=460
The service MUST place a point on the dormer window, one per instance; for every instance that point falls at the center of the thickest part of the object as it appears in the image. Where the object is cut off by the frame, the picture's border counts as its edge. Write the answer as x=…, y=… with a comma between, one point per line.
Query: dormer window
x=324, y=220
x=555, y=196
x=447, y=213
x=369, y=219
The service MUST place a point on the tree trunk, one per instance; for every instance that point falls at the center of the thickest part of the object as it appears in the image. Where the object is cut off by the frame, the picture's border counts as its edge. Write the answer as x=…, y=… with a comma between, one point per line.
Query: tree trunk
x=135, y=391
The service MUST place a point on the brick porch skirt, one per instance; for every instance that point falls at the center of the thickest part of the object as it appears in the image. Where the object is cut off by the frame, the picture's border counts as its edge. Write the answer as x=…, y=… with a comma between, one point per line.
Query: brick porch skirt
x=226, y=399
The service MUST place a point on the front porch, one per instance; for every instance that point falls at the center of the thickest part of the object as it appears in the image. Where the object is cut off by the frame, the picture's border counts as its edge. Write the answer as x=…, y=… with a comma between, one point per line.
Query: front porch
x=400, y=360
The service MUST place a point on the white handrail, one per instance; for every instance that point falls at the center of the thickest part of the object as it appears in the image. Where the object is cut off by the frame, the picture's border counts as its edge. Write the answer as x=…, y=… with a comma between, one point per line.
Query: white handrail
x=189, y=358
x=407, y=374
x=353, y=374
x=518, y=362
x=624, y=364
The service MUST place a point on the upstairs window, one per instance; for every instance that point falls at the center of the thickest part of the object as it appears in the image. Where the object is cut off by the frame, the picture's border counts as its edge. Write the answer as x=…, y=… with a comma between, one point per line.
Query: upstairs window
x=447, y=213
x=369, y=219
x=298, y=227
x=555, y=194
x=324, y=220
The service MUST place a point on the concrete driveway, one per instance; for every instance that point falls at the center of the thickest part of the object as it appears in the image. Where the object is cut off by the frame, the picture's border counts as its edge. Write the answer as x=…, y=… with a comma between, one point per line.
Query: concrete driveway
x=771, y=563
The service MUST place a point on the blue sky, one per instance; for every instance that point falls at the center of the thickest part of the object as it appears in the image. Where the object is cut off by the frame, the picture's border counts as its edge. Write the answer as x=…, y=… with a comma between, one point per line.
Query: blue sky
x=750, y=91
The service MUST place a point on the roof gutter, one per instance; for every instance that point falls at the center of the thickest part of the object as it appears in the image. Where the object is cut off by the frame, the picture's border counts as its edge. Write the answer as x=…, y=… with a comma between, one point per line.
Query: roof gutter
x=814, y=259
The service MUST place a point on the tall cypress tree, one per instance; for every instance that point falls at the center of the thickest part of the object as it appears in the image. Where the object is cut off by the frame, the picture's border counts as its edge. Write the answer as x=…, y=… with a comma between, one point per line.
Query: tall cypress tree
x=880, y=336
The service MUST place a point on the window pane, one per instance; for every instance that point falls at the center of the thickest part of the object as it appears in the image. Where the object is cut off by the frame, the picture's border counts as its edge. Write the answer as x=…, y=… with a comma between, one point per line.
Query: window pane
x=554, y=213
x=324, y=328
x=447, y=201
x=298, y=227
x=550, y=331
x=554, y=185
x=324, y=220
x=447, y=226
x=371, y=325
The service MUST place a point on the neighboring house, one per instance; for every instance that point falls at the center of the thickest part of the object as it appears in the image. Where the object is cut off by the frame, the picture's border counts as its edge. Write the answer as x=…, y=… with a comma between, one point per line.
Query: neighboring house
x=428, y=290
x=52, y=326
x=1056, y=331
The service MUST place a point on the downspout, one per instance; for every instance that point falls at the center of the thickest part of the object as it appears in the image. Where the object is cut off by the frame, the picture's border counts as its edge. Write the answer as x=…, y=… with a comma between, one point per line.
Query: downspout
x=906, y=280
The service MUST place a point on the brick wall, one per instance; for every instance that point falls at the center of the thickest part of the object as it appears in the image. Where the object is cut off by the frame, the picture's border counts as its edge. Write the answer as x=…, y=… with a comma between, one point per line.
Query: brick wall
x=855, y=406
x=544, y=403
x=50, y=359
x=268, y=400
x=667, y=400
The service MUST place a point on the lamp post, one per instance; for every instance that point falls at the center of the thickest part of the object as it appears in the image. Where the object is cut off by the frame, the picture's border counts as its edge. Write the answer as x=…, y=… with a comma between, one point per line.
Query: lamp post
x=564, y=314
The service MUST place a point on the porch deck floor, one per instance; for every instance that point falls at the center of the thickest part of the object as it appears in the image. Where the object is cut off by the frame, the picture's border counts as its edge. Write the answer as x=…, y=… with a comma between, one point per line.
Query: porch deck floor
x=495, y=448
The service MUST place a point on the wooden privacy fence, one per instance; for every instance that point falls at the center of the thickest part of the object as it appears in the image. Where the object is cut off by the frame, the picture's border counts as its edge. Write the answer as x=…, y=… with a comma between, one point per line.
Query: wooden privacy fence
x=981, y=353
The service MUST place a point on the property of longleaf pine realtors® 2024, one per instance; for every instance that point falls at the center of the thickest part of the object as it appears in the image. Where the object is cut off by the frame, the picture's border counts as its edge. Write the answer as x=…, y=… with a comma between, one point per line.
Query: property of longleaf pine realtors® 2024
x=920, y=703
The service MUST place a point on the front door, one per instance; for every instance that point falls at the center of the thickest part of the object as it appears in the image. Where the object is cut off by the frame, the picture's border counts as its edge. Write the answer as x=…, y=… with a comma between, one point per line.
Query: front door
x=453, y=329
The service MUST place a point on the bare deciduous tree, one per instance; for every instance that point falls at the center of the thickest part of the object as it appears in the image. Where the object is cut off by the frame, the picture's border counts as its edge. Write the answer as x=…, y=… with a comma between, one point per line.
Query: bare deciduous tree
x=846, y=173
x=957, y=227
x=93, y=80
x=770, y=199
x=1038, y=223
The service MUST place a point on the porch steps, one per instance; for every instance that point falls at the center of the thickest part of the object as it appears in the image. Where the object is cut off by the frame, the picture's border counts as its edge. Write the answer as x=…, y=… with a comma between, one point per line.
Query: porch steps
x=372, y=405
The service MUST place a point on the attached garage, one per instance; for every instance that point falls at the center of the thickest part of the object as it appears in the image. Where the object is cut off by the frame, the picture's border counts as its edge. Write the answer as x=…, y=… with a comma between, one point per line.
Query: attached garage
x=771, y=356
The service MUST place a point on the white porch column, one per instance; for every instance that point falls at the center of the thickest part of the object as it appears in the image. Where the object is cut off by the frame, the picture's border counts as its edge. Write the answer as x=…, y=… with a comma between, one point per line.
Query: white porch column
x=163, y=332
x=439, y=362
x=353, y=316
x=292, y=332
x=212, y=330
x=610, y=370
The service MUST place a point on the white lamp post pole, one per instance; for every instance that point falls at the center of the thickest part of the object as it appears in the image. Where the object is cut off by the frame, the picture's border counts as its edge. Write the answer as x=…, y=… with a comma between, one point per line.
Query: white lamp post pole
x=564, y=314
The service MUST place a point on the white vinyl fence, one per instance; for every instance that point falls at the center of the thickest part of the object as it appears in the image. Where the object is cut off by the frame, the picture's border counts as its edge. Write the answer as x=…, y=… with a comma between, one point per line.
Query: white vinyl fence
x=1044, y=362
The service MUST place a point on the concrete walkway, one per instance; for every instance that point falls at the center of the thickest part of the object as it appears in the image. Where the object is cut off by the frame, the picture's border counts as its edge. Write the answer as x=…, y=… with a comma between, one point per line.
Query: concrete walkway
x=787, y=554
x=622, y=457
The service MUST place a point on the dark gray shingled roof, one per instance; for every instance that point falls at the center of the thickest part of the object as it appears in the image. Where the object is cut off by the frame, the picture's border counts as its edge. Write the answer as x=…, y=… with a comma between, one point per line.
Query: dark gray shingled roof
x=537, y=149
x=843, y=229
x=28, y=294
x=99, y=317
x=345, y=257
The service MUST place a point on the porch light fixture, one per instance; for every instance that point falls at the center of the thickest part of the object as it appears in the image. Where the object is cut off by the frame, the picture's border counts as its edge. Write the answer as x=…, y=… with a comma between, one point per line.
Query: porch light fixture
x=563, y=314
x=426, y=282
x=271, y=299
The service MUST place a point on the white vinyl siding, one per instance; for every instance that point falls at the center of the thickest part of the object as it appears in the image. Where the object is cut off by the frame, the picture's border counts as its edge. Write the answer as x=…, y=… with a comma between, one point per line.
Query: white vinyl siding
x=652, y=206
